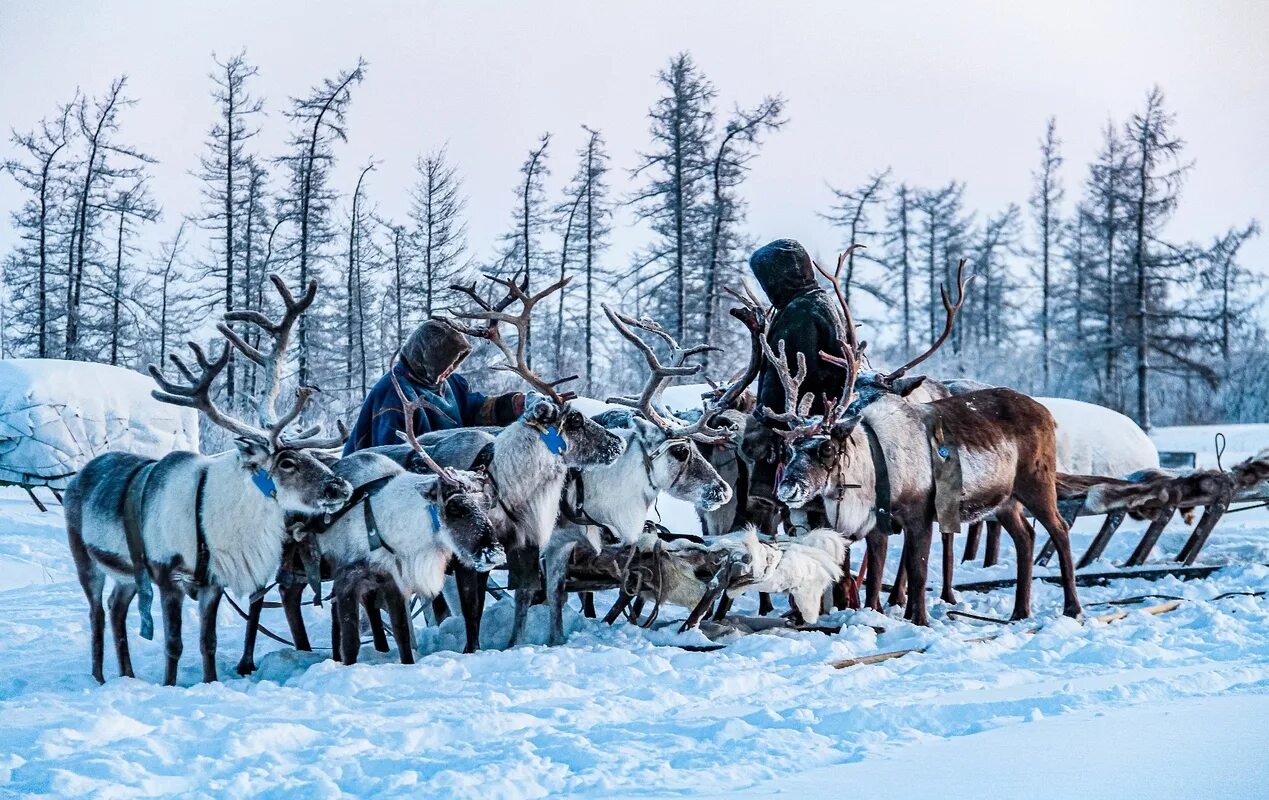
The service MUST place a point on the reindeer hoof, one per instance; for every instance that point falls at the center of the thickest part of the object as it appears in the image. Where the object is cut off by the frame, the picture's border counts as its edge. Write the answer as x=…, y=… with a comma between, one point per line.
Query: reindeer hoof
x=245, y=668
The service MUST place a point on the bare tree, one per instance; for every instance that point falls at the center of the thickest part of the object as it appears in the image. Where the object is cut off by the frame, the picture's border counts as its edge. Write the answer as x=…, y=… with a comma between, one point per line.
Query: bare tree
x=224, y=170
x=319, y=120
x=439, y=235
x=1046, y=197
x=42, y=174
x=851, y=213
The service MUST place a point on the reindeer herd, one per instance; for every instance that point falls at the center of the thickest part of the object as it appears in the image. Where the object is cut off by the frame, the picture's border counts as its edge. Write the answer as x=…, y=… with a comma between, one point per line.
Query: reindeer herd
x=561, y=499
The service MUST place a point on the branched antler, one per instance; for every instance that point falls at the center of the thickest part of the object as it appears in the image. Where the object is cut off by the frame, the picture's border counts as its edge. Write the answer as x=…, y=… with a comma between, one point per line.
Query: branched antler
x=273, y=362
x=408, y=408
x=197, y=393
x=649, y=402
x=514, y=359
x=952, y=310
x=852, y=350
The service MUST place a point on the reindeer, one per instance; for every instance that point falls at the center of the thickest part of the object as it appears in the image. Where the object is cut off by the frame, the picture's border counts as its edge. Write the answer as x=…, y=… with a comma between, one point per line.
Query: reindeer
x=399, y=546
x=989, y=452
x=527, y=461
x=198, y=524
x=661, y=455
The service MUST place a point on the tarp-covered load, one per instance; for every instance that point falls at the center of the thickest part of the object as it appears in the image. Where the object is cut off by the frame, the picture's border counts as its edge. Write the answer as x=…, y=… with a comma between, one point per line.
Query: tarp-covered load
x=56, y=416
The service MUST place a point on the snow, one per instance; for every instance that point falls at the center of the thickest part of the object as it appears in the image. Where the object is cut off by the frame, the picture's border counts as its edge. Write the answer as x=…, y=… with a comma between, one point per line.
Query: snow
x=1161, y=707
x=56, y=416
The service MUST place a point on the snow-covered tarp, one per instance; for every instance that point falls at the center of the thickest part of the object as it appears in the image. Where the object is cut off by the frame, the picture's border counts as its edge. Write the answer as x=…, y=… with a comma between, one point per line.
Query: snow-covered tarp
x=56, y=416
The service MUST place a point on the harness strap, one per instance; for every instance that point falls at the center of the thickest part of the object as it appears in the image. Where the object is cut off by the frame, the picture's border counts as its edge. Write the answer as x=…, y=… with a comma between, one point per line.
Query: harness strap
x=945, y=464
x=202, y=560
x=372, y=529
x=129, y=512
x=885, y=518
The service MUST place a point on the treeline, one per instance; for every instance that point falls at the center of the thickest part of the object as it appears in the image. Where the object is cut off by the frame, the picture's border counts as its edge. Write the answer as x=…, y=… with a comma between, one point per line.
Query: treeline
x=1088, y=299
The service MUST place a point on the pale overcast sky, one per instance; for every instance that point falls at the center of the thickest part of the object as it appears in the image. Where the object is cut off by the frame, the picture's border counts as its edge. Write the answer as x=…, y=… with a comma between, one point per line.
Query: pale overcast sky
x=938, y=91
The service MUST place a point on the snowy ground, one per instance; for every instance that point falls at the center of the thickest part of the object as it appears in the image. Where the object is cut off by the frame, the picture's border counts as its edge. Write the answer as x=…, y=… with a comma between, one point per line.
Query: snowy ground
x=1169, y=706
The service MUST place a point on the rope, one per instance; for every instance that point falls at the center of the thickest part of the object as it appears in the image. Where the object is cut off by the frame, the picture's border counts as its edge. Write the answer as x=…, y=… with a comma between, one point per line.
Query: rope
x=1220, y=450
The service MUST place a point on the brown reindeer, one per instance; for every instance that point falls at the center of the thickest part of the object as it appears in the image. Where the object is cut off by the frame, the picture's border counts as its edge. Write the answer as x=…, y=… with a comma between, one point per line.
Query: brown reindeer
x=897, y=465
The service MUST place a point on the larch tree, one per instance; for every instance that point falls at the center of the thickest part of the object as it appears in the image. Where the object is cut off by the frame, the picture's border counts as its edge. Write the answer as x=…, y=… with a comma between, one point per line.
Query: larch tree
x=674, y=195
x=32, y=272
x=438, y=238
x=225, y=171
x=318, y=121
x=1046, y=200
x=524, y=253
x=737, y=146
x=900, y=232
x=105, y=162
x=852, y=214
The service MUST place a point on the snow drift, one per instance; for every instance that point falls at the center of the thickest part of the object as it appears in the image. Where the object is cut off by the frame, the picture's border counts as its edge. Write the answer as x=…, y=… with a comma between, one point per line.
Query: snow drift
x=56, y=416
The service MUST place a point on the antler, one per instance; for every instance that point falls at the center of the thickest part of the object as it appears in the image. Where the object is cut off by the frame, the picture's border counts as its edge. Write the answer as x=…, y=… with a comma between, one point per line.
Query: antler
x=852, y=350
x=274, y=361
x=952, y=310
x=516, y=359
x=197, y=394
x=649, y=401
x=408, y=407
x=753, y=315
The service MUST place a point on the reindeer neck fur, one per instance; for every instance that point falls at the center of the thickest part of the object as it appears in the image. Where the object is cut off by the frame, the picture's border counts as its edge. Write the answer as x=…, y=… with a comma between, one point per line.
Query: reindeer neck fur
x=419, y=555
x=244, y=529
x=905, y=445
x=620, y=495
x=529, y=479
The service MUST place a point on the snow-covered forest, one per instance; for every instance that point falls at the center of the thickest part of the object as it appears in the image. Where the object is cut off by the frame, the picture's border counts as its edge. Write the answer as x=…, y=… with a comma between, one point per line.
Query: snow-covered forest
x=1083, y=291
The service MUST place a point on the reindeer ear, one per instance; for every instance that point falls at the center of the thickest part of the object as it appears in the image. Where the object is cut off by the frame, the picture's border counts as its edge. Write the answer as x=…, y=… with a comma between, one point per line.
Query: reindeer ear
x=254, y=453
x=906, y=386
x=842, y=430
x=543, y=412
x=430, y=489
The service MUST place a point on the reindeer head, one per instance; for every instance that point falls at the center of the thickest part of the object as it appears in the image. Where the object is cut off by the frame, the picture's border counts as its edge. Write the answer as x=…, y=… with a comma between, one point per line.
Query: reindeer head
x=674, y=464
x=463, y=505
x=562, y=429
x=282, y=466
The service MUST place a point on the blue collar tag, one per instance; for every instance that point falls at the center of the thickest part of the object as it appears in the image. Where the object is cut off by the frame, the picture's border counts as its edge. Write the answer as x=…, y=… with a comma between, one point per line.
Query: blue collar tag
x=265, y=483
x=435, y=514
x=554, y=441
x=944, y=452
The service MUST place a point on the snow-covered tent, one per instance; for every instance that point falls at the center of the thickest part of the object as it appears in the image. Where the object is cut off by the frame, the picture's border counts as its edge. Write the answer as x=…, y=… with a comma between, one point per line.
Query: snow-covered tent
x=55, y=416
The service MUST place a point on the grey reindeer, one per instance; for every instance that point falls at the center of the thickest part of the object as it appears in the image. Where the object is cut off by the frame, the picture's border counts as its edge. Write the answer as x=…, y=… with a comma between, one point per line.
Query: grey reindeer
x=661, y=456
x=400, y=541
x=195, y=524
x=527, y=461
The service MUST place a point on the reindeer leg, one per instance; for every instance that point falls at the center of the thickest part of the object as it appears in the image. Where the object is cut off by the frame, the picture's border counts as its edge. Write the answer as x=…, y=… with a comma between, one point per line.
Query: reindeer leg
x=371, y=600
x=247, y=664
x=949, y=566
x=1045, y=509
x=556, y=560
x=292, y=599
x=899, y=591
x=208, y=605
x=1023, y=536
x=120, y=598
x=588, y=605
x=917, y=559
x=349, y=615
x=471, y=601
x=170, y=598
x=93, y=581
x=765, y=606
x=335, y=637
x=440, y=609
x=875, y=560
x=399, y=615
x=991, y=554
x=971, y=541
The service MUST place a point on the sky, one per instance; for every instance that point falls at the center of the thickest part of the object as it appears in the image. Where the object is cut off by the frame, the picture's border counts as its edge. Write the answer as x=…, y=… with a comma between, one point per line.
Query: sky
x=935, y=90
